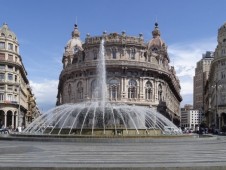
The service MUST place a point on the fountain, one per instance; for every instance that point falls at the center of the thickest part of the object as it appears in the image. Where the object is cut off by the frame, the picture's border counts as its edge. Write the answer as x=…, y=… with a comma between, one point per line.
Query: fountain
x=100, y=117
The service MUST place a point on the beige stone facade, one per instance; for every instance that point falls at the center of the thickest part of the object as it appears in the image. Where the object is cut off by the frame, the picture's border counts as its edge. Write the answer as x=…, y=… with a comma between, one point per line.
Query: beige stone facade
x=215, y=96
x=17, y=102
x=137, y=72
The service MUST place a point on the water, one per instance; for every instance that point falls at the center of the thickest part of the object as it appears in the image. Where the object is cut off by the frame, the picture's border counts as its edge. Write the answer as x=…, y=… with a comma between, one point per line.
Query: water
x=101, y=117
x=101, y=70
x=88, y=119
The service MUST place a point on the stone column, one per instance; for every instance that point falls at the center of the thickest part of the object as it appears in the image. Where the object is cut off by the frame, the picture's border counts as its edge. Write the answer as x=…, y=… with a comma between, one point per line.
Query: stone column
x=116, y=93
x=220, y=122
x=121, y=87
x=124, y=84
x=142, y=88
x=139, y=91
x=5, y=119
x=16, y=120
x=12, y=120
x=110, y=92
x=86, y=88
x=156, y=91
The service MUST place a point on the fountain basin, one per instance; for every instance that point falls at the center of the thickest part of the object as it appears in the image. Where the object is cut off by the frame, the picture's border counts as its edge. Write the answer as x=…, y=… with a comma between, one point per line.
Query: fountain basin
x=94, y=118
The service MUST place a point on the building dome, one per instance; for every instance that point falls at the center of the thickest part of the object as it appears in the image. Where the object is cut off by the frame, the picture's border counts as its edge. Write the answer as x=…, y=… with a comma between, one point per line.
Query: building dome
x=7, y=33
x=74, y=43
x=156, y=42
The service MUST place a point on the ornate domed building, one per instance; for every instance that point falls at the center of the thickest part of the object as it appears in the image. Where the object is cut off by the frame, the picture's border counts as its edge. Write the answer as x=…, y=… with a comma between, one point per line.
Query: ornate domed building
x=138, y=73
x=17, y=102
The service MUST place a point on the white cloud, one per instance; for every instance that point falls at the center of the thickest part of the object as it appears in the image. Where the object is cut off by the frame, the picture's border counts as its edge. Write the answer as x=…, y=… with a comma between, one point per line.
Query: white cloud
x=45, y=93
x=186, y=87
x=184, y=57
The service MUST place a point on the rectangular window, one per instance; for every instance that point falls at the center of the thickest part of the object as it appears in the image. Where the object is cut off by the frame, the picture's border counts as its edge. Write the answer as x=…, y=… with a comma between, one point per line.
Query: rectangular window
x=2, y=87
x=10, y=57
x=15, y=78
x=133, y=54
x=10, y=76
x=2, y=97
x=2, y=45
x=10, y=88
x=2, y=76
x=16, y=48
x=114, y=54
x=2, y=67
x=10, y=97
x=2, y=56
x=15, y=98
x=95, y=56
x=10, y=46
x=10, y=68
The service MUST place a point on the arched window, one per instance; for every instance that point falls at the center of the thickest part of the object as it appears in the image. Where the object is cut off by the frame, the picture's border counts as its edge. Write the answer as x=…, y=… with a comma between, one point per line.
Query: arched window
x=148, y=91
x=69, y=89
x=69, y=92
x=95, y=55
x=2, y=118
x=114, y=52
x=80, y=90
x=133, y=54
x=9, y=118
x=94, y=89
x=75, y=60
x=160, y=92
x=154, y=49
x=132, y=89
x=113, y=89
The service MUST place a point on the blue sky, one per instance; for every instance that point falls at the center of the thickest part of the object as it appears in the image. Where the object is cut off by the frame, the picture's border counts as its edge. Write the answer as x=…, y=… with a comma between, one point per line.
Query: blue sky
x=43, y=27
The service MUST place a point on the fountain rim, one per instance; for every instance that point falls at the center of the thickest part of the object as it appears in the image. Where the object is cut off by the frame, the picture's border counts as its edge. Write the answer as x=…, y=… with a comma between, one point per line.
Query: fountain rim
x=105, y=139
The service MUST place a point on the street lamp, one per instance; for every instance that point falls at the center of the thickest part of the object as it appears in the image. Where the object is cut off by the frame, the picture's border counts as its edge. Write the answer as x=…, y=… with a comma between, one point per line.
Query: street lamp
x=216, y=86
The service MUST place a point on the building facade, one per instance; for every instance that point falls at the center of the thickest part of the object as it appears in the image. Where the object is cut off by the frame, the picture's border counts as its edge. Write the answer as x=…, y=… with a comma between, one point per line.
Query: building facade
x=216, y=90
x=17, y=102
x=201, y=76
x=137, y=72
x=190, y=118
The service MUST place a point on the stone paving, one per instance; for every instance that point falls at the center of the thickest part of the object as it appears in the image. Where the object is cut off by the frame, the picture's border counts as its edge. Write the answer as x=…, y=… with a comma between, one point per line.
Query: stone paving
x=156, y=154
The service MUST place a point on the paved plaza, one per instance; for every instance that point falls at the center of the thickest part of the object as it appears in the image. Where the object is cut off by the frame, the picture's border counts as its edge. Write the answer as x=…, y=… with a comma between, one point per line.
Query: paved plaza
x=157, y=154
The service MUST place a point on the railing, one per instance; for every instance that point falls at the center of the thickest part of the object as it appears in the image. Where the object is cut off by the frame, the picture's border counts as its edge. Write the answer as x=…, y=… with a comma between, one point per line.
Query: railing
x=119, y=63
x=115, y=39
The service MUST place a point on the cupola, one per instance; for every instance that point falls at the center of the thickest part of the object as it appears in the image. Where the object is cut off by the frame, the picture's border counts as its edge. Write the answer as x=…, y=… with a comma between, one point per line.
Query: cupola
x=7, y=33
x=74, y=44
x=156, y=42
